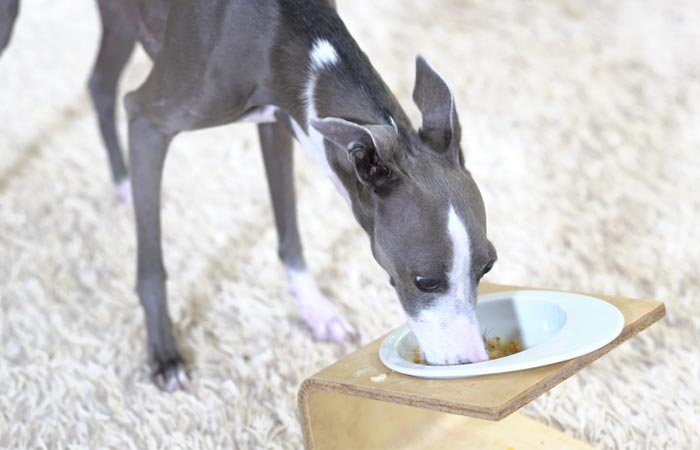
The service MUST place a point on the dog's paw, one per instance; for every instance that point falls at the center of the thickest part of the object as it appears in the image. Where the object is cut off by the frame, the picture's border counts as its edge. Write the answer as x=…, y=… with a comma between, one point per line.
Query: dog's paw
x=321, y=316
x=122, y=190
x=170, y=376
x=327, y=323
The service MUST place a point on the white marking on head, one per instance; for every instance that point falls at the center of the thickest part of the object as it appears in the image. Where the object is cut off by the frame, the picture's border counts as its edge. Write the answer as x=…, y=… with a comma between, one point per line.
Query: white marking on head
x=458, y=278
x=448, y=332
x=323, y=54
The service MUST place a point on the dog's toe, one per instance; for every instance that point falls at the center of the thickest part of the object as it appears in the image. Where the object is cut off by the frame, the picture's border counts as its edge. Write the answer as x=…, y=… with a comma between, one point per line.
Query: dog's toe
x=171, y=376
x=321, y=316
x=340, y=330
x=327, y=324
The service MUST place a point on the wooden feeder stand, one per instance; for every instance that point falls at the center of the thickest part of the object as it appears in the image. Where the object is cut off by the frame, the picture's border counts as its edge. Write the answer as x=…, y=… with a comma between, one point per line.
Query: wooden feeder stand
x=343, y=408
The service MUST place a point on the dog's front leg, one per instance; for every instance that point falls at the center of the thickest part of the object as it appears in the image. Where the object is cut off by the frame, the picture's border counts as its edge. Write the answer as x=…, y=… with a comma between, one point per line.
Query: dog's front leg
x=321, y=316
x=147, y=150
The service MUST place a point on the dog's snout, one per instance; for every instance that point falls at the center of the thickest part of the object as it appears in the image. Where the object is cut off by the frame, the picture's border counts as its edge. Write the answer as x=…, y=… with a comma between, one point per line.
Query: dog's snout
x=457, y=341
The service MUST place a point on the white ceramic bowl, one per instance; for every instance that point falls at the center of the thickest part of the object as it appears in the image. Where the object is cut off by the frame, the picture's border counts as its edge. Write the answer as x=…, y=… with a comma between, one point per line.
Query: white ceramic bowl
x=552, y=327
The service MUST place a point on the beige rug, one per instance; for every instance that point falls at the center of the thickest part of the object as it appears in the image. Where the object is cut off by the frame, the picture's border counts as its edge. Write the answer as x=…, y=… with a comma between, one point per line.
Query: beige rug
x=581, y=124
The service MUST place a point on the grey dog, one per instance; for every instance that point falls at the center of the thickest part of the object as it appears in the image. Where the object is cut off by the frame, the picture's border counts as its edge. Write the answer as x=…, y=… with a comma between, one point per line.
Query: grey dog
x=292, y=67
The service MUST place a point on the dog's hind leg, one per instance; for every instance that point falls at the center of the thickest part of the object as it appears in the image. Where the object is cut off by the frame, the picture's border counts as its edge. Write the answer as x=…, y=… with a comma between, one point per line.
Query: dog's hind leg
x=116, y=46
x=321, y=316
x=8, y=15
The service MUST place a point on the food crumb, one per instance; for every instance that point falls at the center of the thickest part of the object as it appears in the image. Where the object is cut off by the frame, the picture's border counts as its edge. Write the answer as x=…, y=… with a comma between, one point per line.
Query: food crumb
x=378, y=378
x=496, y=349
x=417, y=357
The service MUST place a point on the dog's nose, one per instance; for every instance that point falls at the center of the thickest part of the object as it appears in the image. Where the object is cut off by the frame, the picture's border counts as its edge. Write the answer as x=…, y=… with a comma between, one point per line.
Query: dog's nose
x=457, y=342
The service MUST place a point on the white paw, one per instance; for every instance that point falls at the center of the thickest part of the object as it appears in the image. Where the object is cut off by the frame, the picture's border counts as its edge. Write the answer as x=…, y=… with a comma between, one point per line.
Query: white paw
x=123, y=191
x=326, y=322
x=319, y=314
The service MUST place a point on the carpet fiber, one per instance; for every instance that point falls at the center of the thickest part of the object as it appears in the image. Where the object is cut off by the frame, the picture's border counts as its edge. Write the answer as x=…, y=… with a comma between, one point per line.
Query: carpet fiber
x=581, y=126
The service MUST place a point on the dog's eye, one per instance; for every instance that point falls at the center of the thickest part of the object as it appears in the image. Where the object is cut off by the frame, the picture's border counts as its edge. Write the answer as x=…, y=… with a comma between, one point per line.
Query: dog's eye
x=428, y=284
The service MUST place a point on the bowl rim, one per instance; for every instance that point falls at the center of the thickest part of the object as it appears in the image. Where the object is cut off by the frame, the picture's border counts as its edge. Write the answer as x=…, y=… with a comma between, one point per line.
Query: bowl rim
x=575, y=338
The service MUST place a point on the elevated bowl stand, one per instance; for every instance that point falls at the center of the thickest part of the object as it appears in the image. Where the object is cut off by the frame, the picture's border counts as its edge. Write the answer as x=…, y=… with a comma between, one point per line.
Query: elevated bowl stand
x=351, y=405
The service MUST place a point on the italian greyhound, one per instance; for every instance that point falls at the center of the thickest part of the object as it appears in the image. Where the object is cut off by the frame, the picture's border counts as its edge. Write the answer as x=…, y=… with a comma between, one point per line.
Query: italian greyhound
x=292, y=67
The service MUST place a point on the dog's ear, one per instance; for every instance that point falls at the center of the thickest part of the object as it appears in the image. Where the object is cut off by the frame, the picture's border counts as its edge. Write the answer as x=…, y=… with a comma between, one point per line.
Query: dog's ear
x=440, y=128
x=370, y=149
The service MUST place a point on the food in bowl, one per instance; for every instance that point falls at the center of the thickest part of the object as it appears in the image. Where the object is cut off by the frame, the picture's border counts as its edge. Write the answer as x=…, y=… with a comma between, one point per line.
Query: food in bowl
x=494, y=347
x=497, y=349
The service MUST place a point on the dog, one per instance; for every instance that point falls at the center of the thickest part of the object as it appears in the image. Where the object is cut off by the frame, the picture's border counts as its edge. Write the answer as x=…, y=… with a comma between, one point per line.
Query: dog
x=292, y=67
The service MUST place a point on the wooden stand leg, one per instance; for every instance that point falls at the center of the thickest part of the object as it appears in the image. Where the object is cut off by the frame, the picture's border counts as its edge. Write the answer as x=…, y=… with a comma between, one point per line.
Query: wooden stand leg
x=338, y=421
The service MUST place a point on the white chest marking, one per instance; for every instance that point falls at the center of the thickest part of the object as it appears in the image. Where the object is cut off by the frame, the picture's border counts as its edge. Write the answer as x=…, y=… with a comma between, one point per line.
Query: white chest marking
x=322, y=56
x=263, y=114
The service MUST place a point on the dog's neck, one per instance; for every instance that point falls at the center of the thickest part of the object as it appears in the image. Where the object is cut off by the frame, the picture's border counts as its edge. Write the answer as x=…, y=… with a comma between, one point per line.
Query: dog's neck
x=332, y=77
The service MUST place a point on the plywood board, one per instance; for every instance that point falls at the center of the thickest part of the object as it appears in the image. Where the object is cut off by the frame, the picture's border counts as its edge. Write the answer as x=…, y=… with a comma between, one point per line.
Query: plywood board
x=341, y=422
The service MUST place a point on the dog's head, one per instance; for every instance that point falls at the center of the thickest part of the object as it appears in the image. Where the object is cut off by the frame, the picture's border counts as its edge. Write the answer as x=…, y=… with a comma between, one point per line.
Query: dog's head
x=425, y=217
